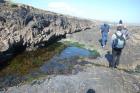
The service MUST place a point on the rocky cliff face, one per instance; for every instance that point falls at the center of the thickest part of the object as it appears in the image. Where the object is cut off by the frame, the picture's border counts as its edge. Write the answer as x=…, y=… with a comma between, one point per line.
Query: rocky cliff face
x=25, y=26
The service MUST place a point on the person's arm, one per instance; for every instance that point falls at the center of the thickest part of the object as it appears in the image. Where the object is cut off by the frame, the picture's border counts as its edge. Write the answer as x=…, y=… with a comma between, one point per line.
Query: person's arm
x=101, y=28
x=112, y=39
x=110, y=32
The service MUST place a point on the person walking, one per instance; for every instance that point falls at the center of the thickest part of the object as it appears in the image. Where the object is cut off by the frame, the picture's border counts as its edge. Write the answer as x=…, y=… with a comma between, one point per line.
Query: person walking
x=126, y=32
x=104, y=31
x=120, y=23
x=124, y=29
x=118, y=42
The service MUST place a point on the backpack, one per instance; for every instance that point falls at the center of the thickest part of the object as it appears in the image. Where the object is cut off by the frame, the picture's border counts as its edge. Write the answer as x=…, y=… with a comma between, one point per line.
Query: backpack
x=126, y=33
x=119, y=42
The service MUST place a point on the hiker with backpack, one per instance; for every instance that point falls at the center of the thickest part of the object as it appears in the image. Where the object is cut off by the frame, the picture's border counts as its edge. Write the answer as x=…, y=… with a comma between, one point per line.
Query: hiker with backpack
x=124, y=29
x=120, y=23
x=118, y=42
x=126, y=32
x=104, y=31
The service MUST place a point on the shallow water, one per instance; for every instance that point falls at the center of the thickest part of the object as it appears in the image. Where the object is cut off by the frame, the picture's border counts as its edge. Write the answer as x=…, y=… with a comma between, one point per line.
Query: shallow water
x=74, y=51
x=26, y=64
x=64, y=62
x=55, y=59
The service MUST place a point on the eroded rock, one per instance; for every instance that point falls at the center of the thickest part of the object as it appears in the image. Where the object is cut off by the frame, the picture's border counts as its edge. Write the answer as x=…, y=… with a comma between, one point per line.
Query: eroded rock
x=34, y=26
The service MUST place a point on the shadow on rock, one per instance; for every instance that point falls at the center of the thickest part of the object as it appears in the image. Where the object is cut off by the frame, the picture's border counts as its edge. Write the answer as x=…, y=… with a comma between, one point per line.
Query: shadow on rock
x=91, y=91
x=100, y=41
x=108, y=56
x=7, y=56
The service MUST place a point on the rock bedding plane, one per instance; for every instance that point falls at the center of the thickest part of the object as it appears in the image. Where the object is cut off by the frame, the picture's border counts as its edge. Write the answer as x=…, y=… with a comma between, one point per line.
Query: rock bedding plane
x=27, y=27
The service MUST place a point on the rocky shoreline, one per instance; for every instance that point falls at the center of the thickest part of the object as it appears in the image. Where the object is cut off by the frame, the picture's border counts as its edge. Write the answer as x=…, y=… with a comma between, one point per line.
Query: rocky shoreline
x=88, y=74
x=100, y=79
x=26, y=27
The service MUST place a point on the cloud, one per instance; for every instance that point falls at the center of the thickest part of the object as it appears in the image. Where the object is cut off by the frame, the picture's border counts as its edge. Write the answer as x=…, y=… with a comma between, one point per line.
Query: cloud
x=62, y=7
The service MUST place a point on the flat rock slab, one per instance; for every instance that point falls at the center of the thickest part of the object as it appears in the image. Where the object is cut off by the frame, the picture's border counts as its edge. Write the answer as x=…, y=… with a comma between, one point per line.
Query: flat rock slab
x=93, y=78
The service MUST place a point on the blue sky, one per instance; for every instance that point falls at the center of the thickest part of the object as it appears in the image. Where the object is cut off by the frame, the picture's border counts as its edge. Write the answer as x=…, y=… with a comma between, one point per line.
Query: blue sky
x=104, y=10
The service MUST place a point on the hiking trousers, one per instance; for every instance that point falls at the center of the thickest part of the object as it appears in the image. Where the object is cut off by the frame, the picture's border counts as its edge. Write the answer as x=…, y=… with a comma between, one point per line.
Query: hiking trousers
x=104, y=38
x=116, y=53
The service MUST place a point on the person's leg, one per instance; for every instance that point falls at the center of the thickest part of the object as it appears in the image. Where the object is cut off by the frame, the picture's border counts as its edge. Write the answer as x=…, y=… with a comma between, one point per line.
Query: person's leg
x=113, y=57
x=118, y=57
x=104, y=38
x=103, y=43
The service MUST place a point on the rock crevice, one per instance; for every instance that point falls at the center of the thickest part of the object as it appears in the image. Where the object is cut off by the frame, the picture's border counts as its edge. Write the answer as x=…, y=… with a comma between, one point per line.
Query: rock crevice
x=25, y=25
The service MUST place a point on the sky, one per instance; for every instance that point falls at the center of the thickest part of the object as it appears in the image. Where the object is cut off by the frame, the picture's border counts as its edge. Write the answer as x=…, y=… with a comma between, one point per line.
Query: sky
x=103, y=10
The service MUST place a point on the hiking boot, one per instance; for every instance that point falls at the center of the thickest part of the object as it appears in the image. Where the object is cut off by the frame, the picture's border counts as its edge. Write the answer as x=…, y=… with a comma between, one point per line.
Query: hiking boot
x=103, y=46
x=115, y=67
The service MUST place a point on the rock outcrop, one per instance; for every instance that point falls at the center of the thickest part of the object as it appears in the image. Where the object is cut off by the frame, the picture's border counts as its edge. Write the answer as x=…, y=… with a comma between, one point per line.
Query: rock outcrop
x=25, y=26
x=2, y=1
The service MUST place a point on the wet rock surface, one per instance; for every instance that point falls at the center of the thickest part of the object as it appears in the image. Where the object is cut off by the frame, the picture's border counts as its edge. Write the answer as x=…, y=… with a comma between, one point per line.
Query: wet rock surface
x=100, y=79
x=87, y=74
x=26, y=27
x=56, y=59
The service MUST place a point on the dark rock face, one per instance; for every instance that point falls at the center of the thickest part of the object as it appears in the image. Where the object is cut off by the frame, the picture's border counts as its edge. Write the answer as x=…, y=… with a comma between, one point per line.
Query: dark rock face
x=2, y=1
x=27, y=26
